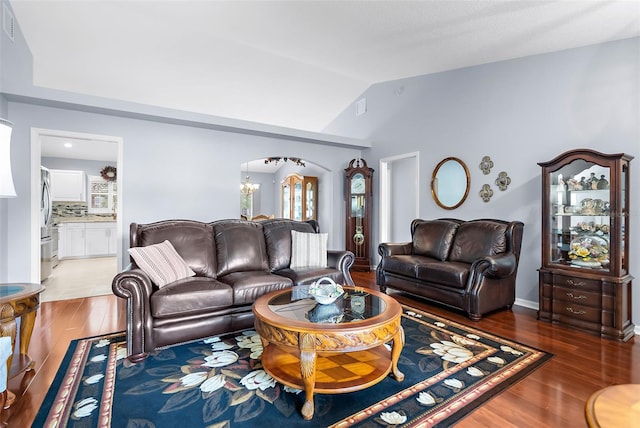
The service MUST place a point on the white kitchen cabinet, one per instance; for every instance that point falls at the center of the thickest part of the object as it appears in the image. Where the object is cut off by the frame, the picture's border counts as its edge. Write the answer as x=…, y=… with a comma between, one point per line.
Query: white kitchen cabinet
x=113, y=239
x=72, y=240
x=68, y=185
x=88, y=239
x=99, y=239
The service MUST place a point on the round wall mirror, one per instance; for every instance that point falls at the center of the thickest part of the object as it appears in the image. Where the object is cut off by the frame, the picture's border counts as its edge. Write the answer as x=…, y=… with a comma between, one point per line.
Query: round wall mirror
x=450, y=183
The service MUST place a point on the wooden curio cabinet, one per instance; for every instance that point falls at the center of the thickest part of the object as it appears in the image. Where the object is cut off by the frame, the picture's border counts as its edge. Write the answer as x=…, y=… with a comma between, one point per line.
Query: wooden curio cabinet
x=300, y=197
x=358, y=193
x=584, y=280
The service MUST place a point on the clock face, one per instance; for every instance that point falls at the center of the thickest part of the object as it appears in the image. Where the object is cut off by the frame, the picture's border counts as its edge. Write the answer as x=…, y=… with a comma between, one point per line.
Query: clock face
x=357, y=183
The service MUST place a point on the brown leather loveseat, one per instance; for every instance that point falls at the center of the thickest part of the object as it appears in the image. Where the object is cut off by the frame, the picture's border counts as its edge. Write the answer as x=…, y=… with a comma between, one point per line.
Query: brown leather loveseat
x=235, y=262
x=467, y=265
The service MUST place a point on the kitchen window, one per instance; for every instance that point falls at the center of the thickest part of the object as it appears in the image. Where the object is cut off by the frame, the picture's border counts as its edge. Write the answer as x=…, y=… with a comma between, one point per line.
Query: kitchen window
x=103, y=196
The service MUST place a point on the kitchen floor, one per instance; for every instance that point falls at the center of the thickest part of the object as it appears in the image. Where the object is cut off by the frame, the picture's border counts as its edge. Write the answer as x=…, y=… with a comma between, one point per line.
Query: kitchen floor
x=75, y=278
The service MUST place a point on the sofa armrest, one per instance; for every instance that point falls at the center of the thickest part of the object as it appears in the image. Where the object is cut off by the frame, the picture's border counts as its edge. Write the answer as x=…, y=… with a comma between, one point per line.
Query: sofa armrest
x=136, y=287
x=500, y=266
x=393, y=249
x=342, y=261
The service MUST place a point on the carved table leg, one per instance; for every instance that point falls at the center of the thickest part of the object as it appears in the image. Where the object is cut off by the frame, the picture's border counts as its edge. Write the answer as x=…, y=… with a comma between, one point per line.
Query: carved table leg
x=3, y=400
x=8, y=329
x=398, y=344
x=308, y=371
x=27, y=323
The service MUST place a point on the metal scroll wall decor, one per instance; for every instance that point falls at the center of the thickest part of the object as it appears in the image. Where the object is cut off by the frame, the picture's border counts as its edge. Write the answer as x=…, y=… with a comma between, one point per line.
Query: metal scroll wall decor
x=502, y=181
x=486, y=193
x=486, y=164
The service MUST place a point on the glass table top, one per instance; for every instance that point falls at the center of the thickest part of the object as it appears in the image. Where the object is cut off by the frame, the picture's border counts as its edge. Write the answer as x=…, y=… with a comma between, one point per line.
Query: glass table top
x=354, y=305
x=13, y=291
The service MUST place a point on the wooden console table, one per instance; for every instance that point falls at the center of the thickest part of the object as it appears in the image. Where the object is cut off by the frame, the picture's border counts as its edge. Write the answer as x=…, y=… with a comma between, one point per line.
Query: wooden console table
x=18, y=300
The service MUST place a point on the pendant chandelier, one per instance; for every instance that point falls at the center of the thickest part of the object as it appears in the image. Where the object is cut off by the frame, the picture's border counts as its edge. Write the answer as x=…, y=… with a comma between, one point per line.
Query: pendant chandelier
x=248, y=188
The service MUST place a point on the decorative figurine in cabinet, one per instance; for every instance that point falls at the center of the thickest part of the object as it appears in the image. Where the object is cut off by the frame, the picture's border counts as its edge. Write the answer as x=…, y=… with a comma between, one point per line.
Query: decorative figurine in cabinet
x=584, y=280
x=300, y=197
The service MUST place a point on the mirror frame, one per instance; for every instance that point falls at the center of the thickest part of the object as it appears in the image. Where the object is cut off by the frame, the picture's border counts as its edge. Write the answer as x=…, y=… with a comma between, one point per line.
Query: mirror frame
x=433, y=183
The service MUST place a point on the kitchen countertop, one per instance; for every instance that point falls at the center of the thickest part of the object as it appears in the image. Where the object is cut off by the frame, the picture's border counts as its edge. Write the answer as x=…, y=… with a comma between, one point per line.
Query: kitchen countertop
x=84, y=219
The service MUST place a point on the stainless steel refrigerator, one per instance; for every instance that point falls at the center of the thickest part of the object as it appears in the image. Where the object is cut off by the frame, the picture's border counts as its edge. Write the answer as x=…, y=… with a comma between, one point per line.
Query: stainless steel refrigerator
x=48, y=248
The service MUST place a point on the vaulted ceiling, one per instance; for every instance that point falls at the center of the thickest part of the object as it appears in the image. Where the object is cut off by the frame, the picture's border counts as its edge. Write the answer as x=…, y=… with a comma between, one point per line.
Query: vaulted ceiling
x=295, y=64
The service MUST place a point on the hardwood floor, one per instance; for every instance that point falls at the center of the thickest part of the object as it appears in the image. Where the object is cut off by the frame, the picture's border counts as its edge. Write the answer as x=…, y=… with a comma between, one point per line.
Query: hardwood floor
x=553, y=396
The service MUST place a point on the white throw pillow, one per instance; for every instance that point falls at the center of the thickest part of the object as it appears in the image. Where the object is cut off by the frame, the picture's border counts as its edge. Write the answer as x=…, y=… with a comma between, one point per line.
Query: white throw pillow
x=308, y=249
x=161, y=262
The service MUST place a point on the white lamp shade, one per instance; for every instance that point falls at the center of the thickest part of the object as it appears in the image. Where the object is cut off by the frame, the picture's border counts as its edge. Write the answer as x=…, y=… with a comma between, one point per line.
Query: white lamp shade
x=6, y=179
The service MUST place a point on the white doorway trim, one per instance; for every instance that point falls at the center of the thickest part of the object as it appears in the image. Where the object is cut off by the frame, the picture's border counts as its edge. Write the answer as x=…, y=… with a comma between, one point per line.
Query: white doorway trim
x=36, y=135
x=386, y=167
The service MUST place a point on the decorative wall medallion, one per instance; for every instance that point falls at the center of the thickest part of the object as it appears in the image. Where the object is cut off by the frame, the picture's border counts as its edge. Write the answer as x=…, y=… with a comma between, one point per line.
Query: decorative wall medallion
x=486, y=165
x=503, y=181
x=486, y=193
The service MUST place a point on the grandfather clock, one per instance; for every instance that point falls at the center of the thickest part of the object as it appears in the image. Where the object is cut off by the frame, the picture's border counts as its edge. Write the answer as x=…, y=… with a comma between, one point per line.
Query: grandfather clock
x=359, y=192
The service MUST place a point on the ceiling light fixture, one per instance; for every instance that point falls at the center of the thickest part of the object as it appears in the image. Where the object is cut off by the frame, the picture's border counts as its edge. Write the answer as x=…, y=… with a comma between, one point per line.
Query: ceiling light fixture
x=68, y=145
x=248, y=188
x=7, y=190
x=277, y=159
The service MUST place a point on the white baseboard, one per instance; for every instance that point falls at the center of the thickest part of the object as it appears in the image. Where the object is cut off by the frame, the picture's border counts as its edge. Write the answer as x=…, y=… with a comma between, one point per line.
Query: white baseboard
x=526, y=303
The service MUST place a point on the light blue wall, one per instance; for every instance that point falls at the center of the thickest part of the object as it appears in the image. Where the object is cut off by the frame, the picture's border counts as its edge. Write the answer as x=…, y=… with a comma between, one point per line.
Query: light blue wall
x=518, y=112
x=168, y=171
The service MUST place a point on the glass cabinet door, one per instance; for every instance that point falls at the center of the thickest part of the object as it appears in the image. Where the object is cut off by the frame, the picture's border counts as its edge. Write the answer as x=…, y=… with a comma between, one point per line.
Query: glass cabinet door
x=310, y=204
x=297, y=200
x=580, y=201
x=299, y=197
x=286, y=200
x=103, y=196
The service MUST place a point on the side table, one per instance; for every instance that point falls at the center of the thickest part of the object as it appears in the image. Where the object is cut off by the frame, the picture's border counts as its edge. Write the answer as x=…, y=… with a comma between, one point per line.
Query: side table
x=18, y=300
x=615, y=406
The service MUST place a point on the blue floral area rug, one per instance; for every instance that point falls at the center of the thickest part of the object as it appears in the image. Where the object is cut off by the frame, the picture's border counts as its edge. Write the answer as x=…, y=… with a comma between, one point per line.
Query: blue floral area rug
x=450, y=369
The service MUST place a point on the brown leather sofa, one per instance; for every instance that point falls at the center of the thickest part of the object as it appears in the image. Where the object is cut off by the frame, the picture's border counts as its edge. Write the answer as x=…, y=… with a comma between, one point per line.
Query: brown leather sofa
x=467, y=265
x=235, y=262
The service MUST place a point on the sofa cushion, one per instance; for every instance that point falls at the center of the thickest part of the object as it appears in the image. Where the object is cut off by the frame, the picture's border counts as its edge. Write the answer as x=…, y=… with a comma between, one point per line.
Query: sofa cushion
x=161, y=262
x=308, y=250
x=240, y=246
x=477, y=239
x=310, y=275
x=403, y=264
x=249, y=285
x=277, y=235
x=193, y=240
x=434, y=238
x=189, y=297
x=453, y=274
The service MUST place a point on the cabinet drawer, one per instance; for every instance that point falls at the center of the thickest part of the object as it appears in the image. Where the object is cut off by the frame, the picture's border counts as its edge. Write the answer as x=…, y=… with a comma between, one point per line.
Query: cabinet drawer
x=578, y=283
x=578, y=296
x=568, y=311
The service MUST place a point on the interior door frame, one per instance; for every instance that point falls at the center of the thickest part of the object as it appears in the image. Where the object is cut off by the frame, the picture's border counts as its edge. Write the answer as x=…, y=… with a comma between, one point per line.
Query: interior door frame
x=36, y=154
x=386, y=169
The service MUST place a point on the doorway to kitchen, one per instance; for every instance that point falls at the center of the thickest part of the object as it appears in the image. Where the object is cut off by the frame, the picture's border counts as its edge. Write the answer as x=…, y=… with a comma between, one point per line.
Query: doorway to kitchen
x=88, y=220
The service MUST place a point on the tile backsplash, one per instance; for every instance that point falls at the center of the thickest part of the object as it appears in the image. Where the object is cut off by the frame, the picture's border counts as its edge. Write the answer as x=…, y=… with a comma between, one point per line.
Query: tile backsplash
x=69, y=209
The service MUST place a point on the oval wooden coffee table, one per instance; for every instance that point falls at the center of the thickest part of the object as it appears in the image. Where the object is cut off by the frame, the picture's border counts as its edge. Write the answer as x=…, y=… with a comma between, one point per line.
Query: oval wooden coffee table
x=332, y=348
